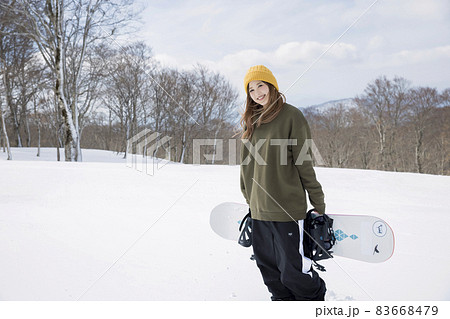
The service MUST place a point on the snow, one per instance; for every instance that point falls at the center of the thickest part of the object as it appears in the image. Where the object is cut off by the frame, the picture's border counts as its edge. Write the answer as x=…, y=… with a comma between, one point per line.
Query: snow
x=322, y=108
x=99, y=230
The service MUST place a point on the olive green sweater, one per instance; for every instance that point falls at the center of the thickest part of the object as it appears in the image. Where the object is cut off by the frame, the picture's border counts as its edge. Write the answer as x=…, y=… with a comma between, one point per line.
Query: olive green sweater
x=276, y=171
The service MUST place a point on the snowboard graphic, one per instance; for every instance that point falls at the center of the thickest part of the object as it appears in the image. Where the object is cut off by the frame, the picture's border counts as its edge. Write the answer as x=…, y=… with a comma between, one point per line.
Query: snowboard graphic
x=359, y=237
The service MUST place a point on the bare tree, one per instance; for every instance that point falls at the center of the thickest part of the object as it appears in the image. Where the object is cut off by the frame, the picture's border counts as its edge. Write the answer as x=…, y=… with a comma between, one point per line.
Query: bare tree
x=4, y=132
x=217, y=98
x=16, y=67
x=201, y=106
x=90, y=87
x=44, y=23
x=363, y=139
x=163, y=85
x=126, y=88
x=423, y=101
x=335, y=123
x=440, y=125
x=90, y=21
x=182, y=112
x=59, y=29
x=385, y=103
x=217, y=102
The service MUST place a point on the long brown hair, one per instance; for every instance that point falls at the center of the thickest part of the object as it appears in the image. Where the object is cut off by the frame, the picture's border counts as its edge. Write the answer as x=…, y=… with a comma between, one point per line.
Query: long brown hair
x=256, y=114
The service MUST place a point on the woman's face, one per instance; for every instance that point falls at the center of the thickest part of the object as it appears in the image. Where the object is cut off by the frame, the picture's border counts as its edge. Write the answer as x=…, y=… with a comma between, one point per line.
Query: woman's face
x=259, y=92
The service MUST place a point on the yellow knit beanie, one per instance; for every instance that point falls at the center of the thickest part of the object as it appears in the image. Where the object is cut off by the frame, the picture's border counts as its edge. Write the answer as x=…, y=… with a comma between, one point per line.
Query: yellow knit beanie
x=259, y=73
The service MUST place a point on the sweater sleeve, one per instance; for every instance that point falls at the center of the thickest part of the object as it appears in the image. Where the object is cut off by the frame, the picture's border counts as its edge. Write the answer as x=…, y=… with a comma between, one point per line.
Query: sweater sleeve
x=242, y=183
x=302, y=156
x=243, y=188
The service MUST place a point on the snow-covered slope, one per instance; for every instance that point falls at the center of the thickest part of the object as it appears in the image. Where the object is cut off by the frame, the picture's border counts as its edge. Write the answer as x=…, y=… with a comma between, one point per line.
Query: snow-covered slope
x=99, y=230
x=323, y=107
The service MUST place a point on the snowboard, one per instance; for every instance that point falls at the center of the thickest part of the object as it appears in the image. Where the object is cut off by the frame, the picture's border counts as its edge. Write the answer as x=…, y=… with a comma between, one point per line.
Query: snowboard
x=359, y=237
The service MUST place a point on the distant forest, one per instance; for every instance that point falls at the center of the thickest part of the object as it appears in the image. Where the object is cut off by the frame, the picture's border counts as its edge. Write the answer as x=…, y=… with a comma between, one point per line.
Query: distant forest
x=67, y=83
x=392, y=126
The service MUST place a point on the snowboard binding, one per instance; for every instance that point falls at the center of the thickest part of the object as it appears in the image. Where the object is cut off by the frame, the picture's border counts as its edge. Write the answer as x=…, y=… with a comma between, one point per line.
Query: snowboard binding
x=245, y=238
x=321, y=239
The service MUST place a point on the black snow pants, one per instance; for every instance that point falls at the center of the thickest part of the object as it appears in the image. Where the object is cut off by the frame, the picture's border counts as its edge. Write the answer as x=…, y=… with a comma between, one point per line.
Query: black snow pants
x=280, y=255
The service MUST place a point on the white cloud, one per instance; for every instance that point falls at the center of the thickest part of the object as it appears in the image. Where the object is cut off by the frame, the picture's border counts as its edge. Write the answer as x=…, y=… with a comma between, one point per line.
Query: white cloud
x=404, y=37
x=287, y=61
x=291, y=53
x=166, y=60
x=418, y=56
x=342, y=72
x=410, y=57
x=343, y=52
x=375, y=43
x=299, y=51
x=429, y=10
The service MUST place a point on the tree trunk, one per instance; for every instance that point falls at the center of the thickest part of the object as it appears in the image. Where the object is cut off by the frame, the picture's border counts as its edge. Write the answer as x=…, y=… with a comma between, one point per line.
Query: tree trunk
x=37, y=121
x=183, y=147
x=419, y=159
x=39, y=140
x=9, y=104
x=2, y=142
x=5, y=133
x=27, y=129
x=70, y=133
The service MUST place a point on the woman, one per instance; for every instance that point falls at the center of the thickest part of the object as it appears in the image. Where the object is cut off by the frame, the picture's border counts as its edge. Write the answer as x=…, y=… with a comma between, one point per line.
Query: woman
x=276, y=170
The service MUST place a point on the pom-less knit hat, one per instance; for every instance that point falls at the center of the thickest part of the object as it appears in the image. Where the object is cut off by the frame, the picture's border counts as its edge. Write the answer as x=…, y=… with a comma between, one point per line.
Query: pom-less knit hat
x=259, y=73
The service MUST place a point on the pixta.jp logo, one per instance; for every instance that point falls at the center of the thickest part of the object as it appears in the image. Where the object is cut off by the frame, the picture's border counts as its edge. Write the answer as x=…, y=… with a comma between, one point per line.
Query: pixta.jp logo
x=142, y=149
x=308, y=150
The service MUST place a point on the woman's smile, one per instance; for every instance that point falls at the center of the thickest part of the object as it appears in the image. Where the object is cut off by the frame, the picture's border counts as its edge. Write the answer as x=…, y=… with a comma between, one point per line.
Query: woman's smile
x=259, y=92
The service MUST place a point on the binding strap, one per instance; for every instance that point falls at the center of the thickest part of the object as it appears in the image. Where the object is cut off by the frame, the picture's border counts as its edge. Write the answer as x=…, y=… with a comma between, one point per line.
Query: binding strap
x=245, y=238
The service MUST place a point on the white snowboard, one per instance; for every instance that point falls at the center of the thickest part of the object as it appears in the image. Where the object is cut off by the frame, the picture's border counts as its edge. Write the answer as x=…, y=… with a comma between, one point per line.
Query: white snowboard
x=359, y=237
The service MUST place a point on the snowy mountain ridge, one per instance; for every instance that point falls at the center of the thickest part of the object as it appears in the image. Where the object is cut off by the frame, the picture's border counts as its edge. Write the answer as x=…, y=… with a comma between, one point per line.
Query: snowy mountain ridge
x=347, y=103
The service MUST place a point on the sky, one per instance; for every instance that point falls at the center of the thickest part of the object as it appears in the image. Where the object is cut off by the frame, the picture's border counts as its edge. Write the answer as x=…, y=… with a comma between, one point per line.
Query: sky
x=407, y=38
